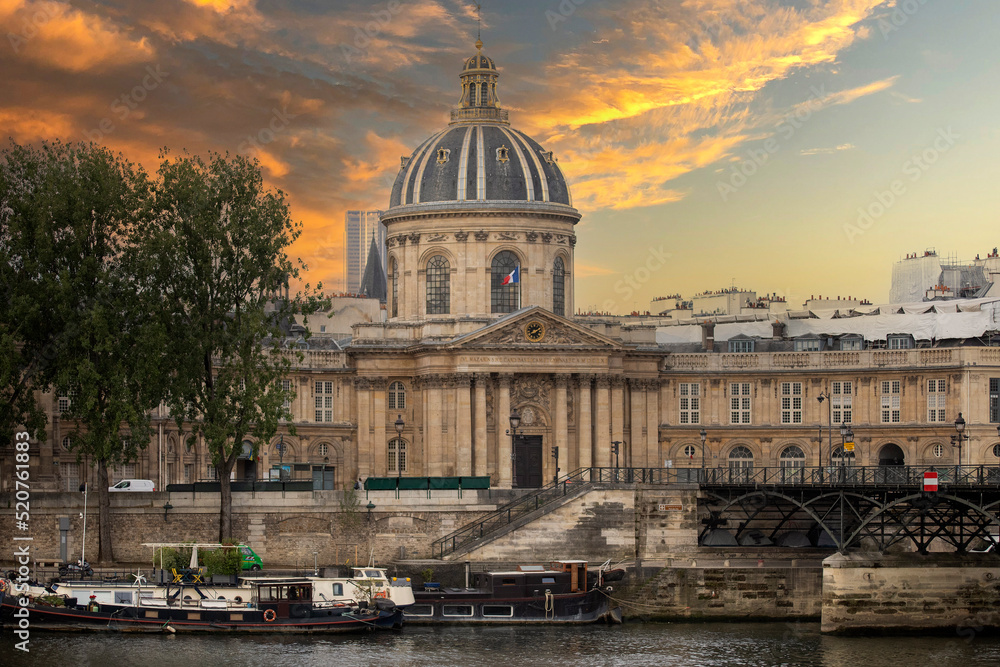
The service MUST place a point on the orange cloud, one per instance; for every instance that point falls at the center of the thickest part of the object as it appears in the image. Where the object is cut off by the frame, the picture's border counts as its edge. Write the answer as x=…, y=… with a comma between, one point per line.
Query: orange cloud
x=65, y=38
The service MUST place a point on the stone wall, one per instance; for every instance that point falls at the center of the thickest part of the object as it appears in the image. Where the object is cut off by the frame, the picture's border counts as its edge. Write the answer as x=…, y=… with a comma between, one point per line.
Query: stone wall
x=284, y=528
x=737, y=591
x=950, y=593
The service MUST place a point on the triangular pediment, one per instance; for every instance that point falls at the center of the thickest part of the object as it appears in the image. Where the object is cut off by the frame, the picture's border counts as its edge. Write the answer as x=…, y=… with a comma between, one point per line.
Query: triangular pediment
x=535, y=328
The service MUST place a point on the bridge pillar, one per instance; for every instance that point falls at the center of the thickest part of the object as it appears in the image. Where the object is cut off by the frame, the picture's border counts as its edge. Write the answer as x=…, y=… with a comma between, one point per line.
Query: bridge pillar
x=866, y=593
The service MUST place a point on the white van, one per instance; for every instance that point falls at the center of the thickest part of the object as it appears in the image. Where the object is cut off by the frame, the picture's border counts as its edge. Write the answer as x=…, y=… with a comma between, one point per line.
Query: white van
x=990, y=546
x=133, y=485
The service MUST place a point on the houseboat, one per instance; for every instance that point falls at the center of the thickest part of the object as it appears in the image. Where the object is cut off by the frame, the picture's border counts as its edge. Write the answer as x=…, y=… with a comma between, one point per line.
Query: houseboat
x=561, y=593
x=272, y=606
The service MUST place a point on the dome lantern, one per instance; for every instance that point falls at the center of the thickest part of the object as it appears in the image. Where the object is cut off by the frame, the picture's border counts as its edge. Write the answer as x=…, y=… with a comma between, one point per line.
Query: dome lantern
x=479, y=101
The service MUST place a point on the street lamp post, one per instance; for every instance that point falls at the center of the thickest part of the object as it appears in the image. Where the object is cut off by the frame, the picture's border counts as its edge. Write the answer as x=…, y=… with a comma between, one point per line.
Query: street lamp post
x=515, y=422
x=956, y=441
x=399, y=424
x=824, y=397
x=704, y=438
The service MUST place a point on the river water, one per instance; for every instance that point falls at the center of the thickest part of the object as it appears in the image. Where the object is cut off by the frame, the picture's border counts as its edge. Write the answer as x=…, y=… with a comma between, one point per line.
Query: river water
x=633, y=644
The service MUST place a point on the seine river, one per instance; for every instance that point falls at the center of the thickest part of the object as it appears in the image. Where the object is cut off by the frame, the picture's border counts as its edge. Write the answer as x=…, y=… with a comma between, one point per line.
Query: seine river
x=633, y=644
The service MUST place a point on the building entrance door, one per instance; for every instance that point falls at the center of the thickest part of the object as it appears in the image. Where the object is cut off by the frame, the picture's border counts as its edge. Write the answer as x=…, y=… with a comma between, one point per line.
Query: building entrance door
x=528, y=461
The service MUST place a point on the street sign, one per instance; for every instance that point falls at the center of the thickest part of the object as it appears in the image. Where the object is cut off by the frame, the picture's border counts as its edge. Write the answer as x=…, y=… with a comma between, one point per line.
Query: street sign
x=930, y=481
x=848, y=446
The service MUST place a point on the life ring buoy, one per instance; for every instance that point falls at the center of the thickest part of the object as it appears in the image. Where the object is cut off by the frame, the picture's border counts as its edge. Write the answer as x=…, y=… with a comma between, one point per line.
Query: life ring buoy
x=381, y=594
x=269, y=615
x=3, y=585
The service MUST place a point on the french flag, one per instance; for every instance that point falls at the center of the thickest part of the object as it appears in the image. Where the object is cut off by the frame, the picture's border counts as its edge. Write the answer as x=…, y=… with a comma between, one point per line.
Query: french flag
x=514, y=277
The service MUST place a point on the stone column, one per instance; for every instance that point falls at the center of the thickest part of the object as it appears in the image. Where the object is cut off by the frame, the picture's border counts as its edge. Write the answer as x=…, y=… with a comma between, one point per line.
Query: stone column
x=618, y=417
x=379, y=443
x=653, y=458
x=583, y=426
x=364, y=465
x=637, y=440
x=602, y=434
x=463, y=430
x=504, y=470
x=418, y=466
x=435, y=411
x=561, y=425
x=479, y=440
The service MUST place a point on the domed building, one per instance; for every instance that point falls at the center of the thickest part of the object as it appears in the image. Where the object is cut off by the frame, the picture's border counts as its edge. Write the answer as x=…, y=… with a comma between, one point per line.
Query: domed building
x=480, y=239
x=473, y=202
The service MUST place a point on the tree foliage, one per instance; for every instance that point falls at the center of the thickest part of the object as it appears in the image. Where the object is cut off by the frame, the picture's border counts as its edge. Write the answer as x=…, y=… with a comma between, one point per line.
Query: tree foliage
x=218, y=239
x=73, y=212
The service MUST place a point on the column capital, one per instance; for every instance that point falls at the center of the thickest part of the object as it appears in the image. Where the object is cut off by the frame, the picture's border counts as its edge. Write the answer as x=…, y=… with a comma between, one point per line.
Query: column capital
x=562, y=379
x=603, y=381
x=505, y=380
x=481, y=378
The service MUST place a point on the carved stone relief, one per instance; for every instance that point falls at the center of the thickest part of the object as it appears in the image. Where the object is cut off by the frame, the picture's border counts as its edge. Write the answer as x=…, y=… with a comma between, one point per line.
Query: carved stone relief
x=481, y=235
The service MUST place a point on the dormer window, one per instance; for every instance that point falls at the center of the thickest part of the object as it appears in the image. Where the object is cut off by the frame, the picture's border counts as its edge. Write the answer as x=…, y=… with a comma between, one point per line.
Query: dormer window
x=852, y=343
x=807, y=345
x=741, y=345
x=900, y=342
x=442, y=155
x=502, y=154
x=549, y=156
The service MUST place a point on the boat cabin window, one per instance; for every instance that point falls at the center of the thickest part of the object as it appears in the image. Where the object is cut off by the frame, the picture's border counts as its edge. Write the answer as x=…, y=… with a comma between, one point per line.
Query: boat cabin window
x=420, y=610
x=373, y=574
x=123, y=597
x=508, y=581
x=285, y=592
x=338, y=589
x=456, y=610
x=548, y=580
x=504, y=610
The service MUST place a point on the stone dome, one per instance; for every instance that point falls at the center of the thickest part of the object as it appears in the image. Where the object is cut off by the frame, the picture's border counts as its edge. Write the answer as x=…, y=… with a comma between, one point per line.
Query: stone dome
x=479, y=158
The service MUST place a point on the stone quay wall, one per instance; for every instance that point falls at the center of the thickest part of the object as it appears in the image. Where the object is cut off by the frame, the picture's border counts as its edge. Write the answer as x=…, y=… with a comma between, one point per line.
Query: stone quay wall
x=905, y=593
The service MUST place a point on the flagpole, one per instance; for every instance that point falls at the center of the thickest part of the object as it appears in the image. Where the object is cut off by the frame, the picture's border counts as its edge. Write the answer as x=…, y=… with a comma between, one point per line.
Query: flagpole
x=519, y=287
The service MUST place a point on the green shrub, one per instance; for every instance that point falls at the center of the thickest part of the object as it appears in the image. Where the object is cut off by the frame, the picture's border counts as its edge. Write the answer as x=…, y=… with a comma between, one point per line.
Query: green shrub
x=223, y=561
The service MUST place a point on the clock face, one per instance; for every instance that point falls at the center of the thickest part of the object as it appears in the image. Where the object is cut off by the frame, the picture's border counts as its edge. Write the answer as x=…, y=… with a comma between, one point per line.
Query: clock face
x=534, y=331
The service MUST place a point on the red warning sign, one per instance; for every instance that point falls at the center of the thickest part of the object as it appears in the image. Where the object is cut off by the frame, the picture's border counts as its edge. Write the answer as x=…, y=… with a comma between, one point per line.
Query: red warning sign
x=930, y=481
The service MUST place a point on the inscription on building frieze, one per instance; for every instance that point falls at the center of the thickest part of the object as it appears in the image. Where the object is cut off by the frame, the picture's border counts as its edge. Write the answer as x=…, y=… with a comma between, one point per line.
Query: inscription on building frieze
x=546, y=360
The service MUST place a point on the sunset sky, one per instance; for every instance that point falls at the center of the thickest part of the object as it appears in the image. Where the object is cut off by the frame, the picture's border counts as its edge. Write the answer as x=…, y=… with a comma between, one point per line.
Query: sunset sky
x=790, y=146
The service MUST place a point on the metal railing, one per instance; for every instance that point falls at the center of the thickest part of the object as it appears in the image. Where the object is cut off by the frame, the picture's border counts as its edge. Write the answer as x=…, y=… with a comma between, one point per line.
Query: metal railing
x=834, y=475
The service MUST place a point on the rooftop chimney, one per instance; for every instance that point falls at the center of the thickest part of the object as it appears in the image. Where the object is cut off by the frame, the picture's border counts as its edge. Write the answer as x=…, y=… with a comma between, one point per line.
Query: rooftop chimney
x=708, y=336
x=777, y=330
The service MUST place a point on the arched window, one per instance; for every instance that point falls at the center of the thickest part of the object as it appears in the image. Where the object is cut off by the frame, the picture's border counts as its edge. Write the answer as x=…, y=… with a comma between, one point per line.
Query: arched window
x=67, y=443
x=397, y=396
x=938, y=451
x=323, y=449
x=472, y=95
x=483, y=94
x=740, y=457
x=559, y=287
x=504, y=298
x=841, y=458
x=792, y=457
x=792, y=461
x=394, y=277
x=397, y=456
x=996, y=450
x=438, y=286
x=689, y=452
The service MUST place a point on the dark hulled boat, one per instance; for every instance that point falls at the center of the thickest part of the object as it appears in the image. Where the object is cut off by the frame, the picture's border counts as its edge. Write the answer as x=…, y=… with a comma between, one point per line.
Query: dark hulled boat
x=284, y=606
x=559, y=594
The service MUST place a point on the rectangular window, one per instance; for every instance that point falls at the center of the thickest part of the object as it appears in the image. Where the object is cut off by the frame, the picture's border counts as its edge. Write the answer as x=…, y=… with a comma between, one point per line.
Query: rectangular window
x=739, y=403
x=456, y=610
x=791, y=402
x=286, y=386
x=188, y=472
x=891, y=390
x=995, y=400
x=900, y=342
x=71, y=476
x=935, y=400
x=212, y=473
x=690, y=395
x=841, y=396
x=741, y=346
x=324, y=401
x=420, y=610
x=502, y=610
x=808, y=345
x=851, y=344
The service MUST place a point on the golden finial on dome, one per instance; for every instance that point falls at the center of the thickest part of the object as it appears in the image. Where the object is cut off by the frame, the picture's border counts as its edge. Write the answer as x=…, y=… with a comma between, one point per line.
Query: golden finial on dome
x=479, y=45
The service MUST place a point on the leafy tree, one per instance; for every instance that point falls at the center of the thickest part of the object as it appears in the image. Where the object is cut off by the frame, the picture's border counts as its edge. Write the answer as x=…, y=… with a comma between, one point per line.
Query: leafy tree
x=218, y=239
x=76, y=214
